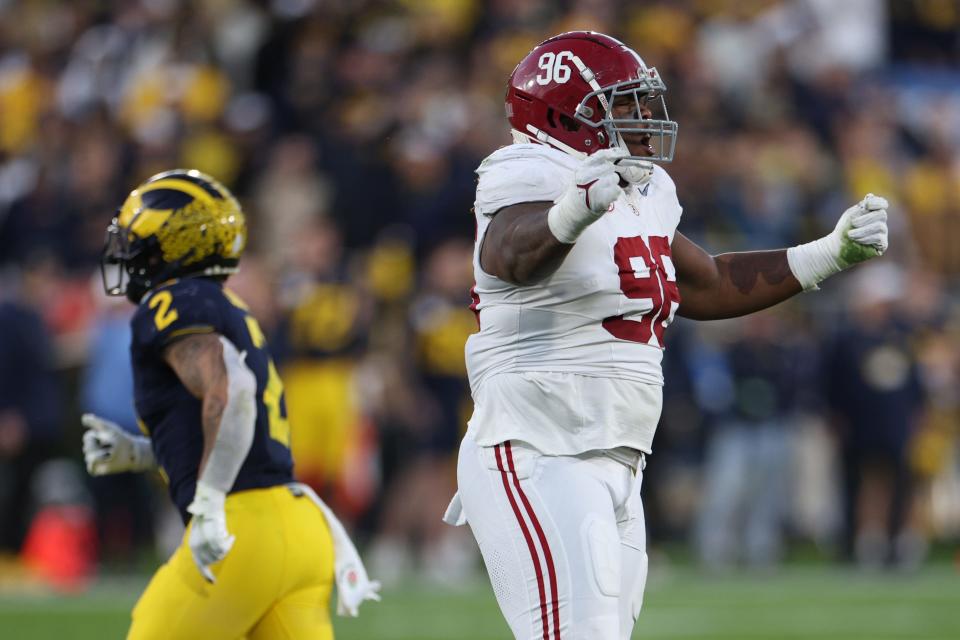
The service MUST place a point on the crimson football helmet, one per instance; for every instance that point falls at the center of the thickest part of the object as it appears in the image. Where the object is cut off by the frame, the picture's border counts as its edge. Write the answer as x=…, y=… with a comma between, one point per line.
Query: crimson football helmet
x=562, y=92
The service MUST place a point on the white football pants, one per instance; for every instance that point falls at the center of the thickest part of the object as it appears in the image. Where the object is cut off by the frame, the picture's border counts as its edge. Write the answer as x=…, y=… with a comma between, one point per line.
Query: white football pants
x=563, y=539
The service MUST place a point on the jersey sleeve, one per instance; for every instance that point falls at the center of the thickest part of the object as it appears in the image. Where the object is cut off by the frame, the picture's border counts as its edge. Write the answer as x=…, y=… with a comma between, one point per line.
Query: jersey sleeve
x=176, y=310
x=511, y=177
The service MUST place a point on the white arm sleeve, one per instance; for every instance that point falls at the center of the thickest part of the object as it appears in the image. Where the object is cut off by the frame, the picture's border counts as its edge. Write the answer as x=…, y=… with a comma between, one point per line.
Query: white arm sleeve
x=236, y=425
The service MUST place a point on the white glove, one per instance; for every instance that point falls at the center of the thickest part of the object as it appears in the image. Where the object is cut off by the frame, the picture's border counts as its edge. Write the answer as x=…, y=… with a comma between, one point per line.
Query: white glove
x=860, y=234
x=595, y=187
x=209, y=539
x=635, y=171
x=109, y=448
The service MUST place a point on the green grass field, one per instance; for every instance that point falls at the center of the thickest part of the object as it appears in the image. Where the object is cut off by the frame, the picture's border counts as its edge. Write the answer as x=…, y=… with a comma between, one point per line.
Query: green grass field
x=814, y=603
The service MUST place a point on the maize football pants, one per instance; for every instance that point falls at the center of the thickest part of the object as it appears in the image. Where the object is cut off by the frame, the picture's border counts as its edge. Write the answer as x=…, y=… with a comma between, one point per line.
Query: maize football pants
x=274, y=584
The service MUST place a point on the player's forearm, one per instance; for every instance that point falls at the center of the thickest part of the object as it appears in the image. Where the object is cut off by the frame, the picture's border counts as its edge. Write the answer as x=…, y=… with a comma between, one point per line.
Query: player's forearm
x=744, y=282
x=214, y=403
x=212, y=370
x=198, y=362
x=229, y=421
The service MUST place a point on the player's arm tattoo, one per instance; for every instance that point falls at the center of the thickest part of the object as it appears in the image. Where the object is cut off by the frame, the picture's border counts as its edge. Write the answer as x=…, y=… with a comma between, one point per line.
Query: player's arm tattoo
x=745, y=270
x=198, y=362
x=730, y=284
x=518, y=246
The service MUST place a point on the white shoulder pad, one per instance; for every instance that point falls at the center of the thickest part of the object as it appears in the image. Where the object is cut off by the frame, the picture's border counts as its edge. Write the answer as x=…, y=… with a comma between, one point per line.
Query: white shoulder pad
x=523, y=172
x=665, y=191
x=662, y=180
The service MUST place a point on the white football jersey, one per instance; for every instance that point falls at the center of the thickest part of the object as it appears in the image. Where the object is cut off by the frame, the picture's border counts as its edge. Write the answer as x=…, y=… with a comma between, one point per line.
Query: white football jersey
x=572, y=363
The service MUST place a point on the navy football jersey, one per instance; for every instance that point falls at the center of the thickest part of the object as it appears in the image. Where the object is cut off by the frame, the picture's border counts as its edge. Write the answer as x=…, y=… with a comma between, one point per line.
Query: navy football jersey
x=171, y=416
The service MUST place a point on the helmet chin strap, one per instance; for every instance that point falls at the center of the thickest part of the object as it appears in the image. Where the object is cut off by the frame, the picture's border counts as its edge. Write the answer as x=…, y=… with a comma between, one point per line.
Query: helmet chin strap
x=541, y=136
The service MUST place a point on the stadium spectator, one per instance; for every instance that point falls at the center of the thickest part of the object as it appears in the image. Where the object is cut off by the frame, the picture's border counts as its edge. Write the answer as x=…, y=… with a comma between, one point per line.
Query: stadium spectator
x=747, y=465
x=320, y=336
x=423, y=479
x=873, y=389
x=123, y=503
x=30, y=411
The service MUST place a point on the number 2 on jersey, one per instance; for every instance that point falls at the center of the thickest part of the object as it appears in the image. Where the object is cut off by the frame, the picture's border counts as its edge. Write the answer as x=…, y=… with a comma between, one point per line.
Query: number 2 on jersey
x=646, y=273
x=161, y=301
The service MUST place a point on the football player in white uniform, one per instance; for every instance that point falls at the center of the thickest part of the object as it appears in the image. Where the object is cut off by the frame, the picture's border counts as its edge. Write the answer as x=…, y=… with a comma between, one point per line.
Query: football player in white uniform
x=579, y=270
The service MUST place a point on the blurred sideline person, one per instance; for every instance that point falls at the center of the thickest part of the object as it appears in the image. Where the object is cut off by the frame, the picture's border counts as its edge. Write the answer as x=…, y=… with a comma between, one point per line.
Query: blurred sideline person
x=748, y=452
x=260, y=553
x=30, y=401
x=579, y=270
x=419, y=472
x=318, y=344
x=125, y=502
x=873, y=387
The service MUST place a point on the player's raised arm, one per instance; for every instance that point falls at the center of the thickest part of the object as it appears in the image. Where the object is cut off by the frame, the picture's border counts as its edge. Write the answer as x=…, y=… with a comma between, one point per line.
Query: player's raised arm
x=526, y=242
x=730, y=284
x=735, y=284
x=212, y=370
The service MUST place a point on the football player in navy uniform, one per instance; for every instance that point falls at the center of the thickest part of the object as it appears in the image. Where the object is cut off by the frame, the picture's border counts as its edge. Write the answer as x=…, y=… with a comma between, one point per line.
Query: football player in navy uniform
x=261, y=552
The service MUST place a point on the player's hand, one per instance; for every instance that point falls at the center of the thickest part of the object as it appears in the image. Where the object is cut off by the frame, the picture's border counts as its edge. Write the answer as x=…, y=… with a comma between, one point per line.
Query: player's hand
x=596, y=182
x=109, y=448
x=862, y=232
x=634, y=170
x=592, y=192
x=209, y=539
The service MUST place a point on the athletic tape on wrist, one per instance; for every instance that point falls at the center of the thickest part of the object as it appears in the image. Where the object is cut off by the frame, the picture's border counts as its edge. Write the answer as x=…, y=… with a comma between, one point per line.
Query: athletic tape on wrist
x=567, y=220
x=813, y=262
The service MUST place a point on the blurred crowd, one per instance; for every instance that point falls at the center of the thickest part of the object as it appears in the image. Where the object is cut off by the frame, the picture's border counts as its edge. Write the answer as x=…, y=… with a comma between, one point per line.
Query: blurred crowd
x=350, y=131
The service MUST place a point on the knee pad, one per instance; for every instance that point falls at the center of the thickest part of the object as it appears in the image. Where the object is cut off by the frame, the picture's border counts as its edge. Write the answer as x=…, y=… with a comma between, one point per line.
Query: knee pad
x=603, y=544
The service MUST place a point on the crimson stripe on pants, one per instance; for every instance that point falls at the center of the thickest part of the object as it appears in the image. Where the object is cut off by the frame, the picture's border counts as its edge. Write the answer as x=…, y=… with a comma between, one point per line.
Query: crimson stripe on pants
x=526, y=534
x=551, y=570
